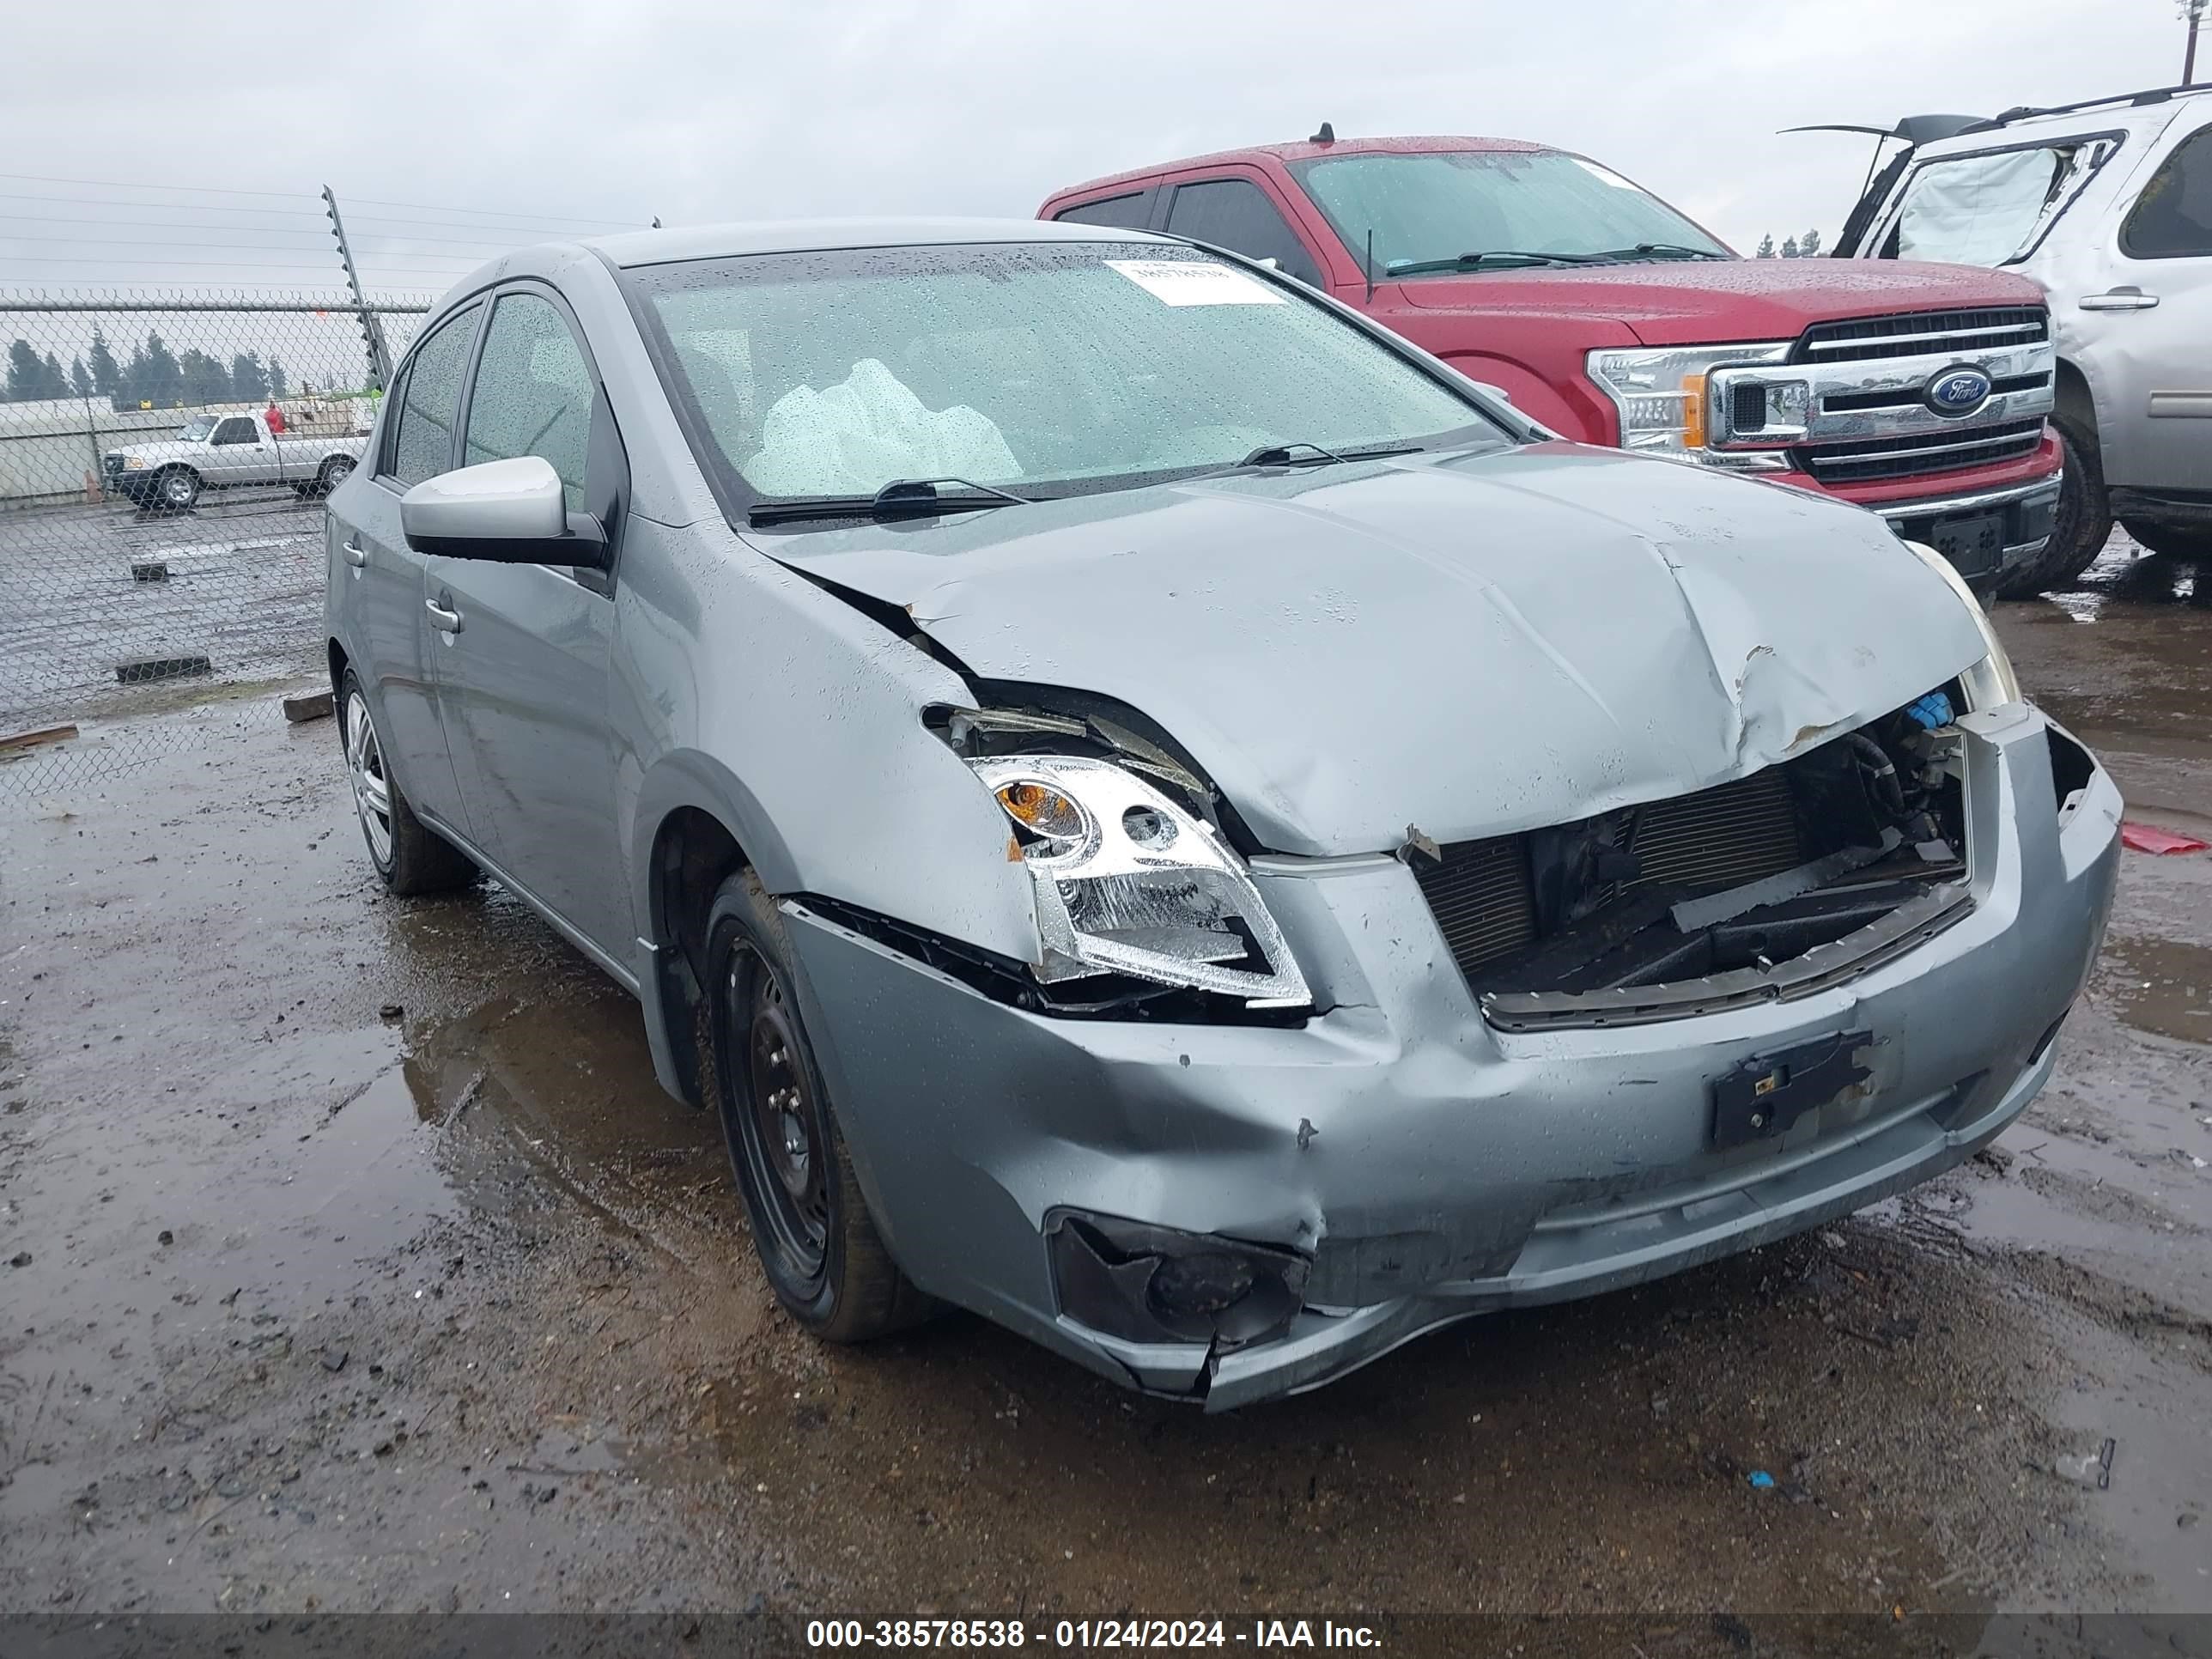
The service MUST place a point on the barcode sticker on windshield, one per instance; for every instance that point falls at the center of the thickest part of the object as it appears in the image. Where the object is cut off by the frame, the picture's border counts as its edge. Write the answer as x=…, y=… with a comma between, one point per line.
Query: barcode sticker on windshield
x=1196, y=283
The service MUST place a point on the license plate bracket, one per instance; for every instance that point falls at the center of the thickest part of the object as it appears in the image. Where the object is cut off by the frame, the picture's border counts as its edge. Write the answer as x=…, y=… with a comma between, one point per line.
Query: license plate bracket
x=1765, y=1095
x=1974, y=542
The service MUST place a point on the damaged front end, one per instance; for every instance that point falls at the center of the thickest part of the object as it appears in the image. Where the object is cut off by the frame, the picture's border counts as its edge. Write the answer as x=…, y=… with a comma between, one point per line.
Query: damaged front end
x=1764, y=888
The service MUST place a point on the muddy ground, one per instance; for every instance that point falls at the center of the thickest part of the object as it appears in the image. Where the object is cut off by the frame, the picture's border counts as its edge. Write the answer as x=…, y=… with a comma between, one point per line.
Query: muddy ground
x=361, y=1265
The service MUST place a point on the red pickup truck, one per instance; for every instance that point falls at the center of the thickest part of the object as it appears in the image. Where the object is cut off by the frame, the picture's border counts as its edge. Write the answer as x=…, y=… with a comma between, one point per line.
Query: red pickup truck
x=1918, y=391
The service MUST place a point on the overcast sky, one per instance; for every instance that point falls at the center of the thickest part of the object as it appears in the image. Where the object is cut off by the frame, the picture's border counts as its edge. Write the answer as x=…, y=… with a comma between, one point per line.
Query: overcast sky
x=709, y=110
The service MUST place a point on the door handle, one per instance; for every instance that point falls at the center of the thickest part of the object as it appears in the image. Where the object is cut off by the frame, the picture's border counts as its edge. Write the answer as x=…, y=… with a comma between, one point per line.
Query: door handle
x=2118, y=299
x=449, y=621
x=356, y=554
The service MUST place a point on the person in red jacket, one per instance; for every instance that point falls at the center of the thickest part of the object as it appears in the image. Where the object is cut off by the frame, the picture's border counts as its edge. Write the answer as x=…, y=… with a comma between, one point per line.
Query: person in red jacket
x=273, y=418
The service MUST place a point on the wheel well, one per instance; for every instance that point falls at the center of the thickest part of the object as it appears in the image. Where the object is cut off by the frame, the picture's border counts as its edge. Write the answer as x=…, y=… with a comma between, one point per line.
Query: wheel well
x=693, y=854
x=2071, y=395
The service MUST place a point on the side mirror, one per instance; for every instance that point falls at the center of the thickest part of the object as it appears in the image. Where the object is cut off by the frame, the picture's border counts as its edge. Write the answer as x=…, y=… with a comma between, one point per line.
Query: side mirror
x=510, y=512
x=1497, y=392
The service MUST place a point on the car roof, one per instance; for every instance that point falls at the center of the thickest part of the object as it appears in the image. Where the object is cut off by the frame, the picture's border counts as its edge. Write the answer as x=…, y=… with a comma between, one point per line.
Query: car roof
x=653, y=247
x=2129, y=111
x=1306, y=150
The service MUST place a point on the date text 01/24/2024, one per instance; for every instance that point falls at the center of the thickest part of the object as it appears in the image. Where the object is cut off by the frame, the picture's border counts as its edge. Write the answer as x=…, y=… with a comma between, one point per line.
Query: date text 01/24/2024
x=1261, y=1635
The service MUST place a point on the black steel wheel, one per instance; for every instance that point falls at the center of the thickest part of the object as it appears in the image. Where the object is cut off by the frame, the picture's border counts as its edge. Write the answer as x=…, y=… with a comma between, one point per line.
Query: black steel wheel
x=811, y=1228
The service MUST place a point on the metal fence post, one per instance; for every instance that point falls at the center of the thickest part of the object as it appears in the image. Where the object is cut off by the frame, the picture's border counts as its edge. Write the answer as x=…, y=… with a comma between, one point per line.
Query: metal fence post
x=372, y=331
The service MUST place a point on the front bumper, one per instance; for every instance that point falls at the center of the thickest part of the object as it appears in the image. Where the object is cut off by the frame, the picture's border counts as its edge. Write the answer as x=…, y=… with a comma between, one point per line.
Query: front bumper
x=1428, y=1166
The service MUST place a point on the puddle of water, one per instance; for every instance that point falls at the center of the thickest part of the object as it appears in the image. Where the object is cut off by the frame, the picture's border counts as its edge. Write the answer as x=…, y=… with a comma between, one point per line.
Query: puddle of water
x=2161, y=986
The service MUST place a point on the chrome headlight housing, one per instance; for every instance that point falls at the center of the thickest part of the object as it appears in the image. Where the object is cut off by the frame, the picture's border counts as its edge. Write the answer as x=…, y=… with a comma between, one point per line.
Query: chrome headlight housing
x=1665, y=403
x=1128, y=882
x=1989, y=682
x=134, y=463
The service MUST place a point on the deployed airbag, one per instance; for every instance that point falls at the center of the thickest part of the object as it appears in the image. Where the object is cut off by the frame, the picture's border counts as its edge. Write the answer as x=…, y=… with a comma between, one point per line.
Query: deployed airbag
x=867, y=430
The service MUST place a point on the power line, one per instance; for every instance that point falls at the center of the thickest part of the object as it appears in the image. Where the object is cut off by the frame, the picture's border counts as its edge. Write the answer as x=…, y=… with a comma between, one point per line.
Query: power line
x=258, y=248
x=213, y=190
x=170, y=207
x=219, y=264
x=494, y=213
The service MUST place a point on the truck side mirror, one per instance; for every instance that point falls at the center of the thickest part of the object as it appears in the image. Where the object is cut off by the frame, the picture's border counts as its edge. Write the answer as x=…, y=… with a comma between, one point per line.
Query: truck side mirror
x=510, y=512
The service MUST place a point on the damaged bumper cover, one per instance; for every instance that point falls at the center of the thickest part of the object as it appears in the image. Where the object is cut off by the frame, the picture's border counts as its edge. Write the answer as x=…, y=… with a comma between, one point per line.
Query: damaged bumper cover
x=1117, y=1190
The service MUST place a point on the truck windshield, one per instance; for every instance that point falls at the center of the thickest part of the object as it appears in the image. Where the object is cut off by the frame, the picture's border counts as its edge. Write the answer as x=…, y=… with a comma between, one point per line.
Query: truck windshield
x=1039, y=368
x=1433, y=212
x=196, y=429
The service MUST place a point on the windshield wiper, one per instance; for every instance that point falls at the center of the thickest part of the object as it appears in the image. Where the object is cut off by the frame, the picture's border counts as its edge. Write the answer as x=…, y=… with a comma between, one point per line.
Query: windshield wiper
x=1662, y=251
x=902, y=498
x=1478, y=261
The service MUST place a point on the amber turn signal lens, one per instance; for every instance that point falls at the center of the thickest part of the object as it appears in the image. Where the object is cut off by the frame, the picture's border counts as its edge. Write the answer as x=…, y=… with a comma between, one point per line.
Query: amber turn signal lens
x=1042, y=810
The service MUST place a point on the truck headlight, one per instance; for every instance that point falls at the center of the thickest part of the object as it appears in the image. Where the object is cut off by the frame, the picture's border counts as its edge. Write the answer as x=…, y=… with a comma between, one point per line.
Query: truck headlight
x=134, y=464
x=1664, y=401
x=1126, y=882
x=1990, y=681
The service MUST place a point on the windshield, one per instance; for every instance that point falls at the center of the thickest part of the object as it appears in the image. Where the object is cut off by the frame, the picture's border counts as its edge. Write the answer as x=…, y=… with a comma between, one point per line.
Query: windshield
x=1992, y=209
x=1434, y=209
x=196, y=429
x=1040, y=370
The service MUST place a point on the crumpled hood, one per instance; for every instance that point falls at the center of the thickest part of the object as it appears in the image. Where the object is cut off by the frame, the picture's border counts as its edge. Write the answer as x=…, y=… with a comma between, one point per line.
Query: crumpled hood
x=1467, y=645
x=1690, y=302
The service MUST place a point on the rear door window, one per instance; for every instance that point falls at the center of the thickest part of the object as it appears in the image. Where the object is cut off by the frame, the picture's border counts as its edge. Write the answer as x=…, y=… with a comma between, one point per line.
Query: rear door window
x=1236, y=213
x=422, y=440
x=235, y=430
x=2173, y=217
x=1130, y=212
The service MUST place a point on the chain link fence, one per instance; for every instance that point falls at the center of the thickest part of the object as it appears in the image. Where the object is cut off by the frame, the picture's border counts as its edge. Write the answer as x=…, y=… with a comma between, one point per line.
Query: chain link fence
x=163, y=459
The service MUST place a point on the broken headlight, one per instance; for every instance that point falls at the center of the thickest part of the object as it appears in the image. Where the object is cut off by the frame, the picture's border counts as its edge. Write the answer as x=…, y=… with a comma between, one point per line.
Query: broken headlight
x=1126, y=882
x=1989, y=682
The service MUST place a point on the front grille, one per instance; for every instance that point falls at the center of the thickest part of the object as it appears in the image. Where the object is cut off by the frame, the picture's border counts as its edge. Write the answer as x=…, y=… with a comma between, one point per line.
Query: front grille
x=1909, y=456
x=1483, y=900
x=1922, y=334
x=111, y=463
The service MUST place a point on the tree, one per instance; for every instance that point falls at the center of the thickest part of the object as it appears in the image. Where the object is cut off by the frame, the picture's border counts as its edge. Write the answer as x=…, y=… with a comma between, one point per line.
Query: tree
x=1765, y=248
x=107, y=377
x=276, y=387
x=1790, y=247
x=54, y=383
x=154, y=377
x=206, y=382
x=24, y=372
x=1809, y=246
x=80, y=379
x=249, y=383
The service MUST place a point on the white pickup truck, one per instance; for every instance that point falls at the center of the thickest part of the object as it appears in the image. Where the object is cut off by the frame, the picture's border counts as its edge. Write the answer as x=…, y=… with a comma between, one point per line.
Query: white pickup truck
x=224, y=452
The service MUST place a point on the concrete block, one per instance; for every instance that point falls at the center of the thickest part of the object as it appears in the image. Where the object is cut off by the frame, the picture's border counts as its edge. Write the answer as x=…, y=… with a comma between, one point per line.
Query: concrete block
x=308, y=705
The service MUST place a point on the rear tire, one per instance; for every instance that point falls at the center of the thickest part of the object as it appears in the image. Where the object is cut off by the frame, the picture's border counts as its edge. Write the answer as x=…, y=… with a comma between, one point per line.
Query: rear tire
x=335, y=470
x=2179, y=541
x=2078, y=527
x=811, y=1225
x=410, y=858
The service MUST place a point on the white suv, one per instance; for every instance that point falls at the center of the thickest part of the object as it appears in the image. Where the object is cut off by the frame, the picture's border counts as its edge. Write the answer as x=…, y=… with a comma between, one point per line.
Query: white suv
x=2108, y=204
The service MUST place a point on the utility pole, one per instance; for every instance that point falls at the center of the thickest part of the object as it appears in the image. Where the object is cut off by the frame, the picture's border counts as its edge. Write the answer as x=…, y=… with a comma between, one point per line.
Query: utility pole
x=372, y=327
x=2194, y=11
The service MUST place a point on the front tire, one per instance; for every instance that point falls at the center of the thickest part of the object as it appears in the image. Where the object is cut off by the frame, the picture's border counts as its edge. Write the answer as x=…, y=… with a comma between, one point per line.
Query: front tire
x=2080, y=525
x=2179, y=541
x=811, y=1225
x=335, y=470
x=177, y=490
x=410, y=858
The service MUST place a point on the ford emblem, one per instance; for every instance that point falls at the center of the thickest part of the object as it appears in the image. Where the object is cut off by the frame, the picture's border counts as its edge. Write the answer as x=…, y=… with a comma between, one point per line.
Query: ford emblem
x=1959, y=390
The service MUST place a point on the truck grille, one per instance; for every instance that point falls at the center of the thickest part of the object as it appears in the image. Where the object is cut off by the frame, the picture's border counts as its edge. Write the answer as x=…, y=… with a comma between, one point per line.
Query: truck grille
x=1911, y=455
x=1483, y=898
x=1922, y=334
